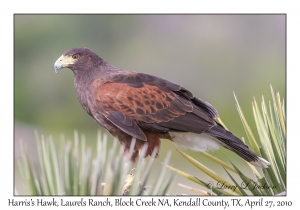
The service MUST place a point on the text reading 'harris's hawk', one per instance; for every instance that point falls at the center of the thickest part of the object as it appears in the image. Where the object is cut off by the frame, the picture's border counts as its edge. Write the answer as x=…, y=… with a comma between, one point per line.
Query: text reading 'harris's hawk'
x=137, y=105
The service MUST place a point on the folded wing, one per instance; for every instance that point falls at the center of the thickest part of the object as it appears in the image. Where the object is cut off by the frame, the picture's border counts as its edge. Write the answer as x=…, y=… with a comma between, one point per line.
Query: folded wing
x=134, y=100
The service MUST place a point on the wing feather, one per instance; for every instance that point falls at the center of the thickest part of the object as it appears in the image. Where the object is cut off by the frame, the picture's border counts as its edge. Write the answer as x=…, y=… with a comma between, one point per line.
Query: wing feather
x=126, y=124
x=130, y=100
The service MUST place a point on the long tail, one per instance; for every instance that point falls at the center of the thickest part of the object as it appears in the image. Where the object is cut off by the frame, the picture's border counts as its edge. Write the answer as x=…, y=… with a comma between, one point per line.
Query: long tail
x=231, y=142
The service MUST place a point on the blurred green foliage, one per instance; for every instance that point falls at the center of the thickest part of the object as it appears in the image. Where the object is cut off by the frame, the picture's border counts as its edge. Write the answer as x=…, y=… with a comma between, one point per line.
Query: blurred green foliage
x=210, y=55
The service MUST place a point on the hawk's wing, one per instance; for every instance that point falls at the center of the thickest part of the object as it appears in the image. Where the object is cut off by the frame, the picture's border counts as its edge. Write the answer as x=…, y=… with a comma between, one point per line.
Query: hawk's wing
x=133, y=100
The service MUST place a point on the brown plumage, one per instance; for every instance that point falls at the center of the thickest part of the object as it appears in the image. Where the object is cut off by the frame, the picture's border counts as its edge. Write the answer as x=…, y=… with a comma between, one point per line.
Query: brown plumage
x=137, y=105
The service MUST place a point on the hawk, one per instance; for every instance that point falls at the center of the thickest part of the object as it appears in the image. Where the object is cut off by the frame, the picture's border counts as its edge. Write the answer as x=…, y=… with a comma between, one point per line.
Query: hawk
x=148, y=108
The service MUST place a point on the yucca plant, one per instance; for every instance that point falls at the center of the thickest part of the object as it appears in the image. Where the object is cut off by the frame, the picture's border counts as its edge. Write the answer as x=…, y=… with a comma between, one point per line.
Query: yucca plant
x=271, y=127
x=69, y=169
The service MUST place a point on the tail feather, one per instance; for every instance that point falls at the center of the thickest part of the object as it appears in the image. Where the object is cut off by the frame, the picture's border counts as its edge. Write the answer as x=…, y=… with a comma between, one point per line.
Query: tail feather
x=231, y=142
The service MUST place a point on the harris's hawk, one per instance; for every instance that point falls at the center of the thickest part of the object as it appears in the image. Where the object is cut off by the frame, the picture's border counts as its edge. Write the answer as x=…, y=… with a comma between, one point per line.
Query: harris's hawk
x=145, y=107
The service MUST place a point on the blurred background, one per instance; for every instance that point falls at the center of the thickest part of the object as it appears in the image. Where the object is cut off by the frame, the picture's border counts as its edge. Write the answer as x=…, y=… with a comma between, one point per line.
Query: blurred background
x=210, y=55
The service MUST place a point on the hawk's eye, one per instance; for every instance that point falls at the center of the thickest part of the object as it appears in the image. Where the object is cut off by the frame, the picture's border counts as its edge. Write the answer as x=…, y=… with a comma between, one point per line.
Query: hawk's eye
x=75, y=56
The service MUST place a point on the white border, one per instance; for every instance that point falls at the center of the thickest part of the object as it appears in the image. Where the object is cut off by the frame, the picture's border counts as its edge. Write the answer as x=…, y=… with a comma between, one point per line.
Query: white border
x=6, y=85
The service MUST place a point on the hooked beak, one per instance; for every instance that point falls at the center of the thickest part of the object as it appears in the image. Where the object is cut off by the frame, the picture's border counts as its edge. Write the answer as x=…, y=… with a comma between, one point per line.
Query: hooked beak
x=62, y=62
